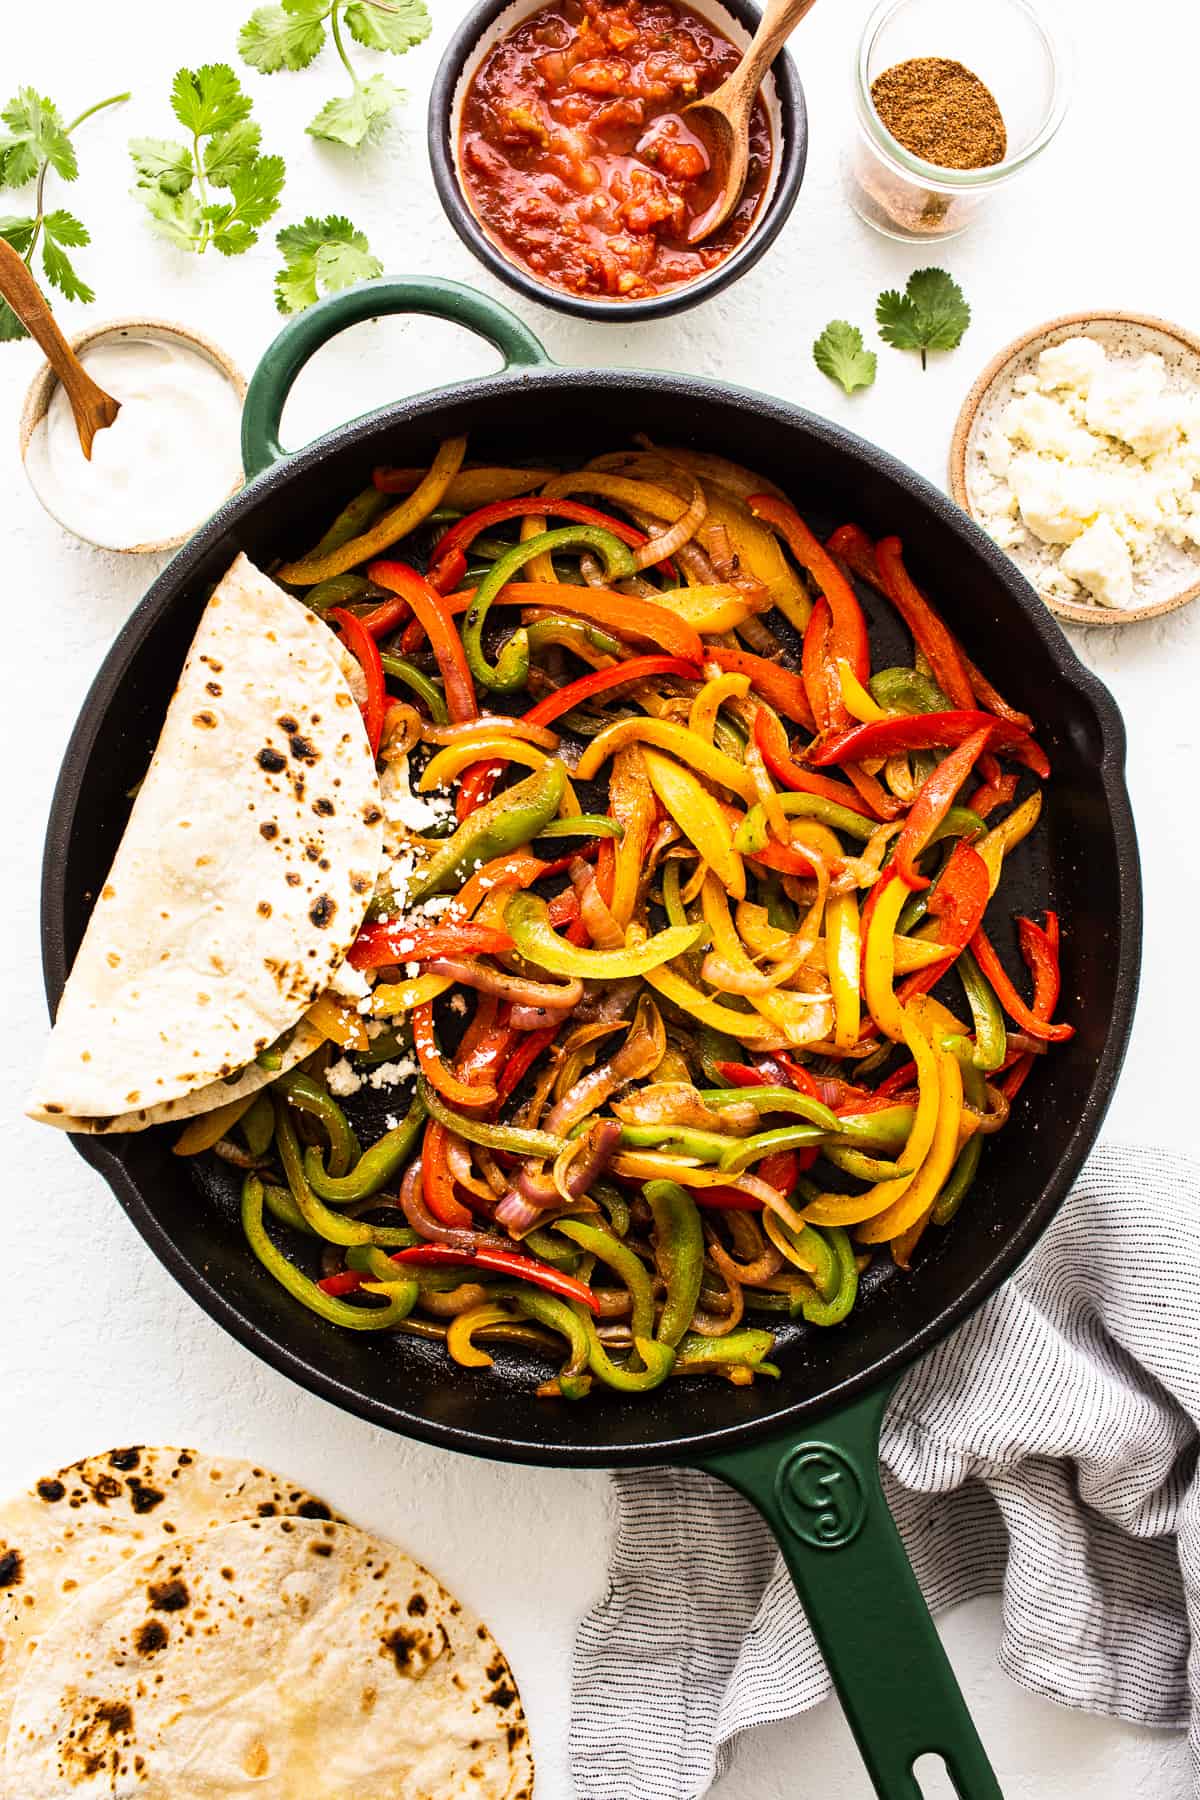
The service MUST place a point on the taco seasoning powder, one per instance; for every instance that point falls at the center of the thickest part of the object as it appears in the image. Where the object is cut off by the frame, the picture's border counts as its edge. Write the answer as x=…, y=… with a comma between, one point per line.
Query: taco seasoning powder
x=942, y=112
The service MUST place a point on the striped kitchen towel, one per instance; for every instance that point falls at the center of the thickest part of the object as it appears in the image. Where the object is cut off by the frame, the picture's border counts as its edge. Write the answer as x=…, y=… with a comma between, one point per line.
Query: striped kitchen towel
x=1047, y=1451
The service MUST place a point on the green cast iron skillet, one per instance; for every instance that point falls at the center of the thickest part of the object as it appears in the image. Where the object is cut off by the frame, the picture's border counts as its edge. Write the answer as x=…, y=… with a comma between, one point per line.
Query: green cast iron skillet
x=802, y=1449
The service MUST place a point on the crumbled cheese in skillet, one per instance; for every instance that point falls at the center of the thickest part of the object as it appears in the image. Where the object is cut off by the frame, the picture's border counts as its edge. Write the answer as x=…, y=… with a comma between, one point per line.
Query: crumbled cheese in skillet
x=391, y=1074
x=458, y=1002
x=342, y=1079
x=1100, y=456
x=350, y=983
x=415, y=812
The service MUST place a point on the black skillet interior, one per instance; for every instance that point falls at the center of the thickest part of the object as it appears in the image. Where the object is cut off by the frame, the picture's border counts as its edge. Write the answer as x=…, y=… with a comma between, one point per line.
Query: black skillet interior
x=1082, y=860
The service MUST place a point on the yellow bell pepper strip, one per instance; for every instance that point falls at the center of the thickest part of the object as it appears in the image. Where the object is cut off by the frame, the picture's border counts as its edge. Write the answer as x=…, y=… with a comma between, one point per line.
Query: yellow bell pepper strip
x=799, y=1016
x=779, y=687
x=850, y=1209
x=678, y=1253
x=512, y=665
x=1007, y=835
x=470, y=489
x=391, y=998
x=662, y=734
x=843, y=949
x=631, y=802
x=395, y=524
x=965, y=1169
x=699, y=816
x=339, y=1022
x=458, y=1336
x=710, y=609
x=926, y=1185
x=821, y=1309
x=442, y=768
x=202, y=1133
x=500, y=825
x=401, y=1294
x=855, y=697
x=747, y=1028
x=528, y=920
x=879, y=963
x=708, y=702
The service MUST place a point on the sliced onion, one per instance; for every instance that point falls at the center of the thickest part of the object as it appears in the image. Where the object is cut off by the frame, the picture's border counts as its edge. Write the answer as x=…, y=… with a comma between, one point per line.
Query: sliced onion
x=679, y=1103
x=402, y=725
x=413, y=1205
x=707, y=1324
x=639, y=1054
x=603, y=929
x=766, y=1264
x=543, y=996
x=462, y=1167
x=773, y=1201
x=668, y=542
x=518, y=1214
x=585, y=1158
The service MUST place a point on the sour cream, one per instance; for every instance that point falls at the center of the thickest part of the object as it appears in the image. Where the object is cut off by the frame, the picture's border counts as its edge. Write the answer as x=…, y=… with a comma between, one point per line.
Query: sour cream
x=167, y=461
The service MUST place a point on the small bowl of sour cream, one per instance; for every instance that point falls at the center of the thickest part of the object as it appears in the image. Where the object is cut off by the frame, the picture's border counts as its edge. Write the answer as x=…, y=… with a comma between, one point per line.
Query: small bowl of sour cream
x=169, y=459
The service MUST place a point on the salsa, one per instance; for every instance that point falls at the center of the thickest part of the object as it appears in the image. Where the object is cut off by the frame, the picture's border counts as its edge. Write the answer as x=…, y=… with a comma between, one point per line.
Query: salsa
x=578, y=158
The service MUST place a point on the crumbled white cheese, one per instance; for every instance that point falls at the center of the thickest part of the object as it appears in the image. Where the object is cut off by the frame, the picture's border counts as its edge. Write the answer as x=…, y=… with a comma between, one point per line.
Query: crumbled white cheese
x=1098, y=455
x=416, y=812
x=350, y=983
x=458, y=1002
x=436, y=905
x=391, y=1074
x=342, y=1079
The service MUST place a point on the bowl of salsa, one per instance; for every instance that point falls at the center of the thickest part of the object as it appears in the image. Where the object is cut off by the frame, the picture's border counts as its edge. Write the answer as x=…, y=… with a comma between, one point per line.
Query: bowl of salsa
x=565, y=158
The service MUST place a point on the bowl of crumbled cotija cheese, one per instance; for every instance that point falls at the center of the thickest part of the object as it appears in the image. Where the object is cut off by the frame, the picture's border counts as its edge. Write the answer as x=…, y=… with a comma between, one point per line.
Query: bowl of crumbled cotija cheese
x=1078, y=451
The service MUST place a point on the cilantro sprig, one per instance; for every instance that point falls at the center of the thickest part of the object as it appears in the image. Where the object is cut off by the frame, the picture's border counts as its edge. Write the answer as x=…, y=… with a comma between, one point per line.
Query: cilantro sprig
x=292, y=35
x=35, y=144
x=931, y=313
x=178, y=183
x=319, y=256
x=839, y=353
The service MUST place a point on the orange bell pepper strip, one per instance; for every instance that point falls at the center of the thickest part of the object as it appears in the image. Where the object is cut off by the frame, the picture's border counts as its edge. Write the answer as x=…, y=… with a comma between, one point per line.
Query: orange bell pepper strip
x=957, y=903
x=779, y=687
x=771, y=742
x=379, y=946
x=1043, y=964
x=637, y=668
x=820, y=681
x=933, y=801
x=438, y=1072
x=437, y=1183
x=623, y=614
x=631, y=791
x=848, y=636
x=433, y=616
x=1037, y=948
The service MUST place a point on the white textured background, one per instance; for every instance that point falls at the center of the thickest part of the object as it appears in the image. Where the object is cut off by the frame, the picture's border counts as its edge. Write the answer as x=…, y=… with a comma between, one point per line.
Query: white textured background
x=97, y=1346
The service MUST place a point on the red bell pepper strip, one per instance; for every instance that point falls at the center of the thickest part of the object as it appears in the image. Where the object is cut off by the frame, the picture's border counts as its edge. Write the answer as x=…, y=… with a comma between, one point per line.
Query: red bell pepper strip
x=780, y=1171
x=478, y=784
x=778, y=1070
x=465, y=531
x=501, y=1262
x=377, y=946
x=872, y=793
x=433, y=616
x=437, y=1183
x=958, y=903
x=779, y=687
x=1036, y=945
x=828, y=707
x=623, y=614
x=348, y=1281
x=484, y=1041
x=772, y=745
x=1044, y=963
x=848, y=636
x=933, y=801
x=385, y=617
x=365, y=650
x=926, y=731
x=899, y=1079
x=564, y=699
x=525, y=1054
x=929, y=633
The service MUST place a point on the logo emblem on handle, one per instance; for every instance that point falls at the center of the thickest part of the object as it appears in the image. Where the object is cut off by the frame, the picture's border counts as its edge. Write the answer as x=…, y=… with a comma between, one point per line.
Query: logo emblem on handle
x=821, y=1496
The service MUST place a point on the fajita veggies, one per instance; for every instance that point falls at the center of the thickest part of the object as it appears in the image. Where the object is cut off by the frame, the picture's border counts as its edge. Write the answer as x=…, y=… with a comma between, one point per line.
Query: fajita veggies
x=241, y=881
x=178, y=1624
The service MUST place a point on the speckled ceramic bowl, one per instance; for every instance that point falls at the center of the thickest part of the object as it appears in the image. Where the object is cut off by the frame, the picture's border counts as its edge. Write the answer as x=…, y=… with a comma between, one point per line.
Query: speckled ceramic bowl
x=1173, y=577
x=41, y=392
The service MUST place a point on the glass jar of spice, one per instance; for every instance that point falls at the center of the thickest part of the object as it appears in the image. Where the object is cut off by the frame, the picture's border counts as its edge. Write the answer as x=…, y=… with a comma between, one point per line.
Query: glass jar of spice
x=952, y=101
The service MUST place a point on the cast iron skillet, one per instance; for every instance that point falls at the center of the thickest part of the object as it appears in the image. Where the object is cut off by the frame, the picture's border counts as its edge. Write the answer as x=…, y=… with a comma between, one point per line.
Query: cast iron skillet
x=803, y=1449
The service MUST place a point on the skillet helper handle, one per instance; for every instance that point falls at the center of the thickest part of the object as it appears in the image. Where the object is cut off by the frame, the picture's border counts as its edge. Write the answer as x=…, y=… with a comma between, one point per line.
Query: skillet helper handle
x=822, y=1497
x=304, y=335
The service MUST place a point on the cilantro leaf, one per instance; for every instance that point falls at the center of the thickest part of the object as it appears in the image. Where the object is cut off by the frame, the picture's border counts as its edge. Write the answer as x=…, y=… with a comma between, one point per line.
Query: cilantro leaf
x=208, y=99
x=62, y=231
x=20, y=234
x=161, y=163
x=394, y=25
x=36, y=135
x=230, y=151
x=839, y=353
x=255, y=191
x=931, y=314
x=275, y=37
x=177, y=217
x=360, y=117
x=319, y=256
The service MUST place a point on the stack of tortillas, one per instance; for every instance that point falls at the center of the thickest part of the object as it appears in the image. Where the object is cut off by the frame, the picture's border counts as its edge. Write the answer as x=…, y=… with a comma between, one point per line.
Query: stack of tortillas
x=175, y=1625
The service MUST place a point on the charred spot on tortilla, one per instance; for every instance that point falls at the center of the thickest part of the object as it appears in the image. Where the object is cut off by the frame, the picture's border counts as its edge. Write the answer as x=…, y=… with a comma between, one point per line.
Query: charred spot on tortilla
x=320, y=1549
x=303, y=749
x=292, y=879
x=323, y=806
x=287, y=724
x=411, y=1651
x=213, y=688
x=169, y=1596
x=268, y=830
x=205, y=720
x=270, y=760
x=143, y=1497
x=12, y=1568
x=50, y=1490
x=418, y=1606
x=126, y=1459
x=360, y=884
x=313, y=1509
x=264, y=909
x=372, y=814
x=104, y=1488
x=503, y=1695
x=151, y=1637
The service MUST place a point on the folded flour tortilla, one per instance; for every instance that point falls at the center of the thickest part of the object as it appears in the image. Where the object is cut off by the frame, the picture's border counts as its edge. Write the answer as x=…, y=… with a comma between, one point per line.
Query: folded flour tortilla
x=76, y=1524
x=282, y=1657
x=243, y=877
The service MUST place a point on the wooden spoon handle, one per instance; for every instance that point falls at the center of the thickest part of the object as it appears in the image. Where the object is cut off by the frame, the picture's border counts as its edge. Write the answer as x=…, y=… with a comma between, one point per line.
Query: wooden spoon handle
x=92, y=407
x=780, y=18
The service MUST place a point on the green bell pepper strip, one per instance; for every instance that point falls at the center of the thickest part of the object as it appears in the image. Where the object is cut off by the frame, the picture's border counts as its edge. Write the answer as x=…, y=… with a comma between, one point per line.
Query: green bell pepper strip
x=512, y=665
x=558, y=1316
x=887, y=1130
x=991, y=1034
x=744, y=1151
x=502, y=824
x=539, y=1242
x=584, y=825
x=907, y=691
x=401, y=1300
x=258, y=1125
x=615, y=1205
x=962, y=1175
x=745, y=1348
x=679, y=1254
x=326, y=1223
x=307, y=1095
x=959, y=822
x=374, y=1168
x=862, y=1166
x=781, y=914
x=527, y=918
x=625, y=1265
x=512, y=1138
x=573, y=634
x=369, y=1260
x=658, y=1360
x=682, y=1140
x=773, y=1099
x=422, y=685
x=753, y=834
x=351, y=522
x=713, y=1048
x=337, y=591
x=281, y=1206
x=819, y=1311
x=813, y=1247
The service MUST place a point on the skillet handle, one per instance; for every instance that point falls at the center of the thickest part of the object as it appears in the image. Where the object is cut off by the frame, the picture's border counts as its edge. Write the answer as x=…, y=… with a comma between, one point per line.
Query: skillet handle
x=282, y=362
x=822, y=1497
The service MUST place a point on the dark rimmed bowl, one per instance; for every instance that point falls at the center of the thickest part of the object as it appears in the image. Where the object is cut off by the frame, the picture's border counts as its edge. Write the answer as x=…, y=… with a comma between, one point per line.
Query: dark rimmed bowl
x=789, y=121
